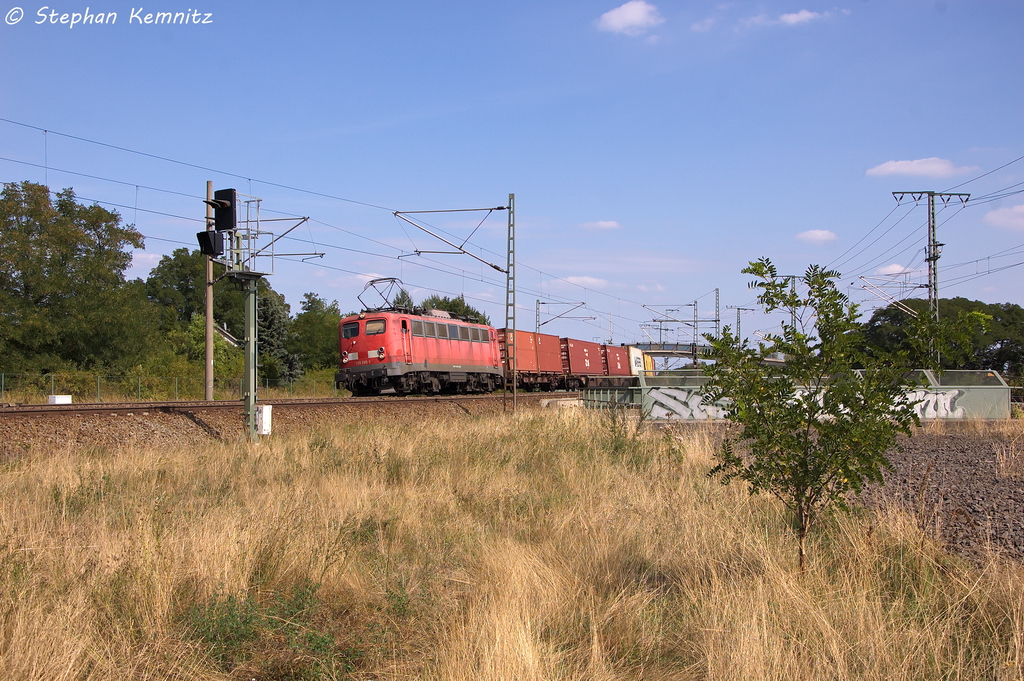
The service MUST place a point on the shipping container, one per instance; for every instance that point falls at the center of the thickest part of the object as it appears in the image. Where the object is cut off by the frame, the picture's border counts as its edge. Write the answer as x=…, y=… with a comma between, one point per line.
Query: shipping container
x=526, y=350
x=581, y=358
x=616, y=360
x=639, y=361
x=549, y=354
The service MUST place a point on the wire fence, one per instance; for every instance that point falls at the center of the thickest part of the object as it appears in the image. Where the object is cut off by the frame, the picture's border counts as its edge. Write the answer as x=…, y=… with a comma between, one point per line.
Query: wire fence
x=95, y=388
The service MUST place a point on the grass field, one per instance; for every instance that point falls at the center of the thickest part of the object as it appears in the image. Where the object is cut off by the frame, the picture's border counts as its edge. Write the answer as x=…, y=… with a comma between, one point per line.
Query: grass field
x=546, y=546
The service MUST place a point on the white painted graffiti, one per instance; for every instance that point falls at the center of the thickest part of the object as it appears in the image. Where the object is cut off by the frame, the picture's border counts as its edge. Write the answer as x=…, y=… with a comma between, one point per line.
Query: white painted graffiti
x=937, y=404
x=688, y=404
x=681, y=403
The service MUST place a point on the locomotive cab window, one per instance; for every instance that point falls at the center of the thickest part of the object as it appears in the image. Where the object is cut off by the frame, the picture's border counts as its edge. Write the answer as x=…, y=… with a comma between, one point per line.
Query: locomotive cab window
x=417, y=327
x=350, y=330
x=375, y=327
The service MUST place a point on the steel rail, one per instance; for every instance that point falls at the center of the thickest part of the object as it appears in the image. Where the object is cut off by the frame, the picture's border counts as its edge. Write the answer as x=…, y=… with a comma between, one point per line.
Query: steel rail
x=203, y=405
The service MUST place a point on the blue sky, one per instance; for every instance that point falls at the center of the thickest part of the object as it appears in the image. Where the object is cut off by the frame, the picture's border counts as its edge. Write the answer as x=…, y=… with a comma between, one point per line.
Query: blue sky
x=654, y=147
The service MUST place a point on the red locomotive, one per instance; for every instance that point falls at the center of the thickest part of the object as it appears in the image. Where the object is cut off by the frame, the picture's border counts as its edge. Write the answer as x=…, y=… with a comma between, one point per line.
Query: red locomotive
x=421, y=351
x=413, y=350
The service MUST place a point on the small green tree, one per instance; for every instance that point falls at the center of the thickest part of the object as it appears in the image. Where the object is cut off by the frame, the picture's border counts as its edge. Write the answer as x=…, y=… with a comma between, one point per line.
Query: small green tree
x=402, y=299
x=818, y=426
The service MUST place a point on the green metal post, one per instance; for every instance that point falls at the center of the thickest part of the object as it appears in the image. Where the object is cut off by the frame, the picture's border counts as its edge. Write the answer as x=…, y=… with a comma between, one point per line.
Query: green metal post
x=98, y=400
x=52, y=390
x=3, y=391
x=138, y=391
x=175, y=388
x=251, y=382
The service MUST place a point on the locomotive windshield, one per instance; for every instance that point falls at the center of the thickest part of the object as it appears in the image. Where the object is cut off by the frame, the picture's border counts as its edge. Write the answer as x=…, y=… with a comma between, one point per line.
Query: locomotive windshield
x=375, y=326
x=350, y=330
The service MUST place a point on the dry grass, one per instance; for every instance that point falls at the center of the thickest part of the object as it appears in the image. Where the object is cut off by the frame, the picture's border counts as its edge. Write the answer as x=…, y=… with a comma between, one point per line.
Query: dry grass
x=555, y=546
x=1010, y=457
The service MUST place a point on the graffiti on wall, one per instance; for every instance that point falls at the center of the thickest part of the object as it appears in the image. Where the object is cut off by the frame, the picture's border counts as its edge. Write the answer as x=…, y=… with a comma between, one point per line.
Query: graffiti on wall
x=937, y=404
x=687, y=404
x=680, y=403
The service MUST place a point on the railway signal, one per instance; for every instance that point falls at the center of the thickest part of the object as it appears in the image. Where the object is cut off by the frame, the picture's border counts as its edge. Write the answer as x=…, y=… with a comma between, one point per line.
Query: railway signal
x=225, y=215
x=211, y=243
x=225, y=218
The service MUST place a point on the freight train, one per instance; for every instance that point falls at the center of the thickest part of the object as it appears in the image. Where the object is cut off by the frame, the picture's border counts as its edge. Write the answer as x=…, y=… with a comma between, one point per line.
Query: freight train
x=432, y=351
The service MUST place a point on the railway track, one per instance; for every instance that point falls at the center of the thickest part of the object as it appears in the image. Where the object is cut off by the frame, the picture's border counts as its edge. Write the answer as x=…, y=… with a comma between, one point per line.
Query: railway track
x=183, y=406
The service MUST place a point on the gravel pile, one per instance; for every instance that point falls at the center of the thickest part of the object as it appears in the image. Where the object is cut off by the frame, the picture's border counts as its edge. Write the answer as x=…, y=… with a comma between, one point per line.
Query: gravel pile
x=952, y=479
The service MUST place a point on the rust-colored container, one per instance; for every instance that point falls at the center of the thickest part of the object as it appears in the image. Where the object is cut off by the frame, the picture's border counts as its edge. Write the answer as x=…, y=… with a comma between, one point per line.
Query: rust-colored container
x=526, y=348
x=549, y=353
x=616, y=360
x=581, y=358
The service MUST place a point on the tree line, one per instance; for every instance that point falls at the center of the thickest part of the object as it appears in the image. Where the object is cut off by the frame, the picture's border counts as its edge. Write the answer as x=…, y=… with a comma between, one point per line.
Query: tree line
x=68, y=306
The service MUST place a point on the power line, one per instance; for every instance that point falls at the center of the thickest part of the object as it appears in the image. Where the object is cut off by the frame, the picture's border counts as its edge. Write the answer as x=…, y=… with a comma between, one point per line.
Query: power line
x=985, y=174
x=192, y=165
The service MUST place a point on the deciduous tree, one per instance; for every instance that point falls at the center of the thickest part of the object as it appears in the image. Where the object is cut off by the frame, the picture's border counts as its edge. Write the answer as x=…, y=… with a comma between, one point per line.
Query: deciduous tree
x=457, y=305
x=63, y=294
x=314, y=336
x=818, y=426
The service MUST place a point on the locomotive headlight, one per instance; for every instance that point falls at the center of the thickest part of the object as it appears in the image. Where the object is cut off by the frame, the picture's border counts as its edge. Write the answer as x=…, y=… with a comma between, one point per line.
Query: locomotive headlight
x=380, y=353
x=344, y=357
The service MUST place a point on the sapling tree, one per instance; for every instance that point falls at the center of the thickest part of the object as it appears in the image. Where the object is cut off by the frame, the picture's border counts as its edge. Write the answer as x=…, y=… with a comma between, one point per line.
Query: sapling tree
x=819, y=425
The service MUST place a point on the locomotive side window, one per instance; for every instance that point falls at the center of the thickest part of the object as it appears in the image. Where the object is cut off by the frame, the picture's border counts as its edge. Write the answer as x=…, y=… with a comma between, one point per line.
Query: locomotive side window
x=350, y=330
x=442, y=330
x=453, y=332
x=474, y=333
x=428, y=330
x=417, y=328
x=464, y=333
x=375, y=327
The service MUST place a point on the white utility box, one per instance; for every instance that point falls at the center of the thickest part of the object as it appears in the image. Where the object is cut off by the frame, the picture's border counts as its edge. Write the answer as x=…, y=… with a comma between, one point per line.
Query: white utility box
x=58, y=399
x=264, y=413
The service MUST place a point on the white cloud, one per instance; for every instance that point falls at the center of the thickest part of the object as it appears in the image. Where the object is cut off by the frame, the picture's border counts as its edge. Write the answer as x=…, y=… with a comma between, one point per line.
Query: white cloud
x=601, y=224
x=817, y=236
x=922, y=167
x=804, y=16
x=588, y=282
x=703, y=26
x=631, y=18
x=1007, y=218
x=142, y=263
x=801, y=17
x=651, y=289
x=894, y=268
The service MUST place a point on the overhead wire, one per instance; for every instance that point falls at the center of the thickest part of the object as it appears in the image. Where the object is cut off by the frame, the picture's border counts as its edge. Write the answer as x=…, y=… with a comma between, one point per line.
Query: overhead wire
x=290, y=188
x=985, y=174
x=999, y=194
